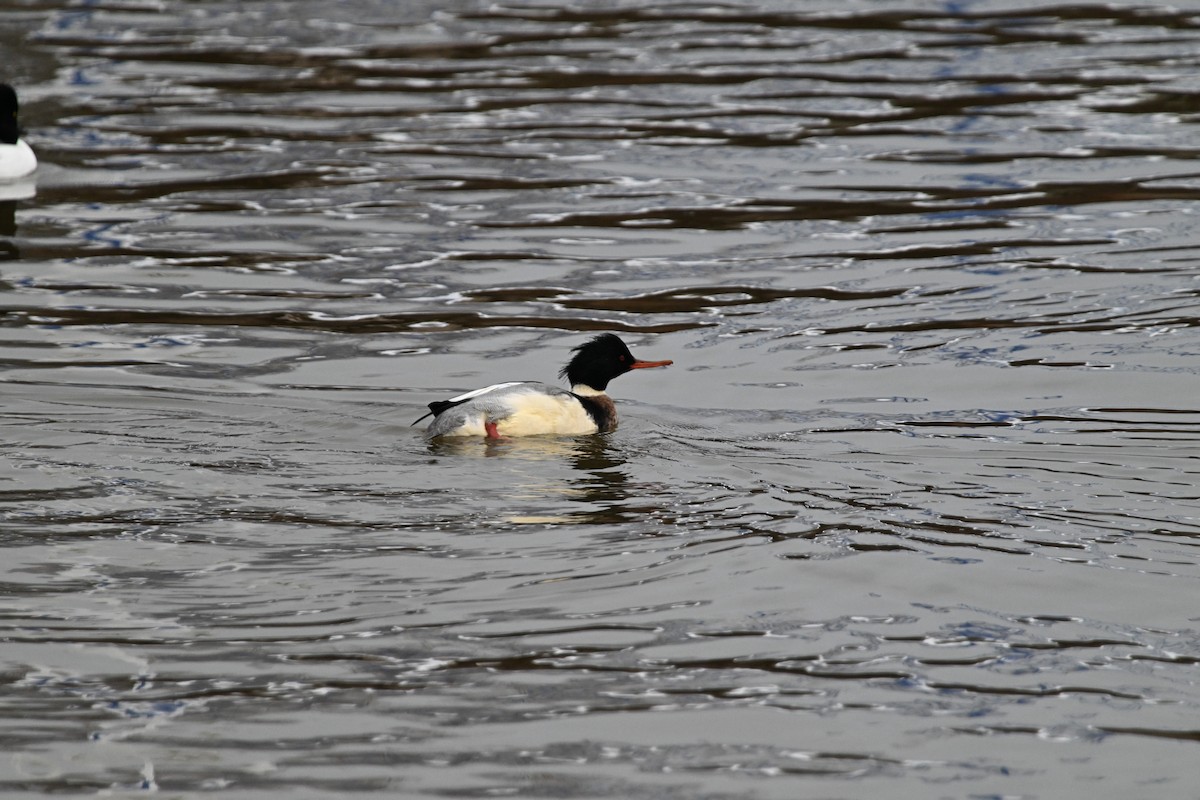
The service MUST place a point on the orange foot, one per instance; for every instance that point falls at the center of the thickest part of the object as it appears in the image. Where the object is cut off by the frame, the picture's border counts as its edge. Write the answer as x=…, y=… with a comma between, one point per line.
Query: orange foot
x=490, y=430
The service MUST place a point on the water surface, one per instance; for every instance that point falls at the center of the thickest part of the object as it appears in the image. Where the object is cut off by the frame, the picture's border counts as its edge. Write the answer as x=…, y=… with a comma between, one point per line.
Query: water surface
x=914, y=514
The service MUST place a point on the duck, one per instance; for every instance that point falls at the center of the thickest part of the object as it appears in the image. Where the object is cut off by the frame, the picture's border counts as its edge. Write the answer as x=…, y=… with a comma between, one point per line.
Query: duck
x=530, y=408
x=16, y=156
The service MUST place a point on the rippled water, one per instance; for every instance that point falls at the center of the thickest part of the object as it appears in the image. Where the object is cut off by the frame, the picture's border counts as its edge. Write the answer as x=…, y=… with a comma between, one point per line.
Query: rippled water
x=913, y=515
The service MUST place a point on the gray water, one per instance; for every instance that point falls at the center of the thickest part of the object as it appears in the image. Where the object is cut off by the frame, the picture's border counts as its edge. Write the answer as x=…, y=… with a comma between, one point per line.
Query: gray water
x=913, y=515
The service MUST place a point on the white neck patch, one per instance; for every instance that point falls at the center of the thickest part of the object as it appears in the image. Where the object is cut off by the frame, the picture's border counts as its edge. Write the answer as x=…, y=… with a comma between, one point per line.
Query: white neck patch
x=586, y=391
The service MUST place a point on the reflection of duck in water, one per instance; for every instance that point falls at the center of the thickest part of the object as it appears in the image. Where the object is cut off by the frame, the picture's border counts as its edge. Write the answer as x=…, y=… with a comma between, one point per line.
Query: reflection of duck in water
x=525, y=408
x=16, y=157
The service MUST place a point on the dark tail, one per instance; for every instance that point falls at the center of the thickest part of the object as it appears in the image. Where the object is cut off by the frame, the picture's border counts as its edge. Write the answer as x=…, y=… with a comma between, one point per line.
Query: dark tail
x=435, y=408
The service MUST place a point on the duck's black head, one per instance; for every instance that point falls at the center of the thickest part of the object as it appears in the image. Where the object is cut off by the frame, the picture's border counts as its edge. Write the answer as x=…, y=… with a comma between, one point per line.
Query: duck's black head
x=10, y=131
x=598, y=361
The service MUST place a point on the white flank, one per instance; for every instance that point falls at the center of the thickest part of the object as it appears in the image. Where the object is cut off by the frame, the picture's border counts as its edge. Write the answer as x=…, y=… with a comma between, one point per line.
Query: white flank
x=522, y=413
x=535, y=413
x=16, y=160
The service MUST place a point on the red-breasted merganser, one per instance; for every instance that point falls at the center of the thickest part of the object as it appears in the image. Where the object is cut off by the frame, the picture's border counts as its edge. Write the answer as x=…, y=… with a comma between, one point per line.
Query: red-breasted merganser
x=526, y=408
x=16, y=157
